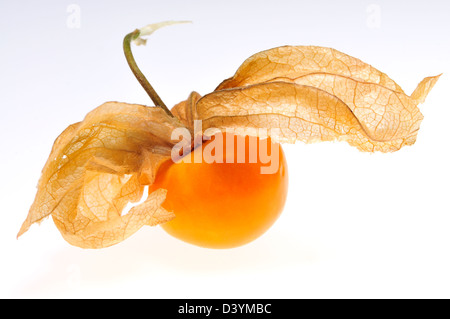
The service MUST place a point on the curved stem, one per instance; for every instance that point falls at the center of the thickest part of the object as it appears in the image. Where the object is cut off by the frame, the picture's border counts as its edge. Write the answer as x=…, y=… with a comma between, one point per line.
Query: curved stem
x=137, y=72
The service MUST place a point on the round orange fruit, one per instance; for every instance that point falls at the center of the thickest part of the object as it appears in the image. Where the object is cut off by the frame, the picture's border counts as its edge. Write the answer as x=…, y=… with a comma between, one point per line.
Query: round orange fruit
x=227, y=199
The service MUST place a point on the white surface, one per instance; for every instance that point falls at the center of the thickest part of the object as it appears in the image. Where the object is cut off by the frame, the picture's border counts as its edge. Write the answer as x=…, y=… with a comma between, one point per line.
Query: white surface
x=355, y=225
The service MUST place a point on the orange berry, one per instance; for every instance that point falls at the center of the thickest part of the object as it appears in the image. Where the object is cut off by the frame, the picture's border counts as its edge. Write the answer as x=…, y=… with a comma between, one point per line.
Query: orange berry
x=224, y=205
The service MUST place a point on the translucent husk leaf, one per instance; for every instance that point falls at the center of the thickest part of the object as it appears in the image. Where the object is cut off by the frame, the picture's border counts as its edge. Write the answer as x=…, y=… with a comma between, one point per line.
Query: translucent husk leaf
x=310, y=94
x=295, y=61
x=300, y=113
x=98, y=166
x=424, y=87
x=185, y=111
x=316, y=94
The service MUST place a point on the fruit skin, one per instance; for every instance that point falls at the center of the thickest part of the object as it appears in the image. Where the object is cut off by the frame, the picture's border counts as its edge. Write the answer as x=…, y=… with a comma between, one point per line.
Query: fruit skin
x=222, y=205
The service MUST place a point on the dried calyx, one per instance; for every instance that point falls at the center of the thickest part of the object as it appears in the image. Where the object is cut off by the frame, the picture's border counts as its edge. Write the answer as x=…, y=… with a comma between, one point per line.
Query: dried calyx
x=311, y=94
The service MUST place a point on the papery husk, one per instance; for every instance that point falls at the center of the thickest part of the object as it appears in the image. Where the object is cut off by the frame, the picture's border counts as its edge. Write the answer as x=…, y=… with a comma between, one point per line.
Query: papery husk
x=304, y=93
x=97, y=167
x=314, y=94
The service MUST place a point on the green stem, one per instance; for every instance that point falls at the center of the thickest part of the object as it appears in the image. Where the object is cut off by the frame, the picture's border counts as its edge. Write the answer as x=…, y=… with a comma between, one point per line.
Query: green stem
x=137, y=72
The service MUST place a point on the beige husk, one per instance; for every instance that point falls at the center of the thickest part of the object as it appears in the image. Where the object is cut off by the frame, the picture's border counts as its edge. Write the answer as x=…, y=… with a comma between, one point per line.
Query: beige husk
x=311, y=94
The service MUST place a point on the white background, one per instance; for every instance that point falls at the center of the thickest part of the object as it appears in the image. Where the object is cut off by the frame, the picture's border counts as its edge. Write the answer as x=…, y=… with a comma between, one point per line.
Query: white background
x=355, y=225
